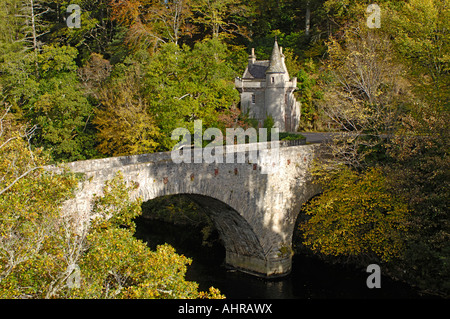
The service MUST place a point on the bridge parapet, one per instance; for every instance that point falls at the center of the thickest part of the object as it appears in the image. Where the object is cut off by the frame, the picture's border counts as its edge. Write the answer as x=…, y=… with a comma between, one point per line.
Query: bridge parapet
x=113, y=162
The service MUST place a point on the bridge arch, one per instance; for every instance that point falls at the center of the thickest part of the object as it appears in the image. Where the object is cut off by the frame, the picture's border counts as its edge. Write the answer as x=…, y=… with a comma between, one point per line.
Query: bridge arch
x=236, y=234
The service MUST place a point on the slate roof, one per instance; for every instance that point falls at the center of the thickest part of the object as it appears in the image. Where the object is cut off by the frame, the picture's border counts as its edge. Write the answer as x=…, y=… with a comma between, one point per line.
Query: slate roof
x=276, y=64
x=258, y=69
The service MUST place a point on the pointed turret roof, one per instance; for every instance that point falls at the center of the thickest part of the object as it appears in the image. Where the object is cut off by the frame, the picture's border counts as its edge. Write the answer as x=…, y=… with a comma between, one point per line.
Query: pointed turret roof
x=276, y=63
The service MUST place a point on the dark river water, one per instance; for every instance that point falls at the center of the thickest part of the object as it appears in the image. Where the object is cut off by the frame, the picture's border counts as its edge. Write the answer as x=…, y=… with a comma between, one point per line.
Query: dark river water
x=311, y=278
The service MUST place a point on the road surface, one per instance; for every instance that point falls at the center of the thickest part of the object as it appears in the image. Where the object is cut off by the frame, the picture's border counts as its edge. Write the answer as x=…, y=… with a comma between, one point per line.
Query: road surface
x=313, y=137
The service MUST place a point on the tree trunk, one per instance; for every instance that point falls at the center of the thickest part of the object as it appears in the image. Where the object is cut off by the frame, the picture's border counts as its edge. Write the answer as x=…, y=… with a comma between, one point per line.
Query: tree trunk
x=308, y=18
x=34, y=35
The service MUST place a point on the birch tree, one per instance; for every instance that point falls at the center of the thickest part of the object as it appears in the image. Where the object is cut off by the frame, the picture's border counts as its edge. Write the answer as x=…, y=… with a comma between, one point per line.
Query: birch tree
x=363, y=95
x=32, y=11
x=218, y=15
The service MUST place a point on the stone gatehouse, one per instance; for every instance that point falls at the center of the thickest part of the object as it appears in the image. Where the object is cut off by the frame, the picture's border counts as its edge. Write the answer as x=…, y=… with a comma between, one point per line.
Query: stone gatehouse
x=267, y=90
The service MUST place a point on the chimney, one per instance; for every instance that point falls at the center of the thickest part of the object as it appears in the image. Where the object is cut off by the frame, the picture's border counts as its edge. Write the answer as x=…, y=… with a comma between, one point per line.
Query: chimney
x=252, y=57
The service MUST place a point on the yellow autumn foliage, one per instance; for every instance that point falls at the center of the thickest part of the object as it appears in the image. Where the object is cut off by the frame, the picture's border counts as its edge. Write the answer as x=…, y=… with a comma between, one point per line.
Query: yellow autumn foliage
x=124, y=125
x=356, y=215
x=46, y=252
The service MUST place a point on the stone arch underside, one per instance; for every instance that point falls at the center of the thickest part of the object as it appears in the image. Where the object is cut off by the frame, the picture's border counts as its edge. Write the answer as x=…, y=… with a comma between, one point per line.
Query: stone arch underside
x=235, y=232
x=237, y=235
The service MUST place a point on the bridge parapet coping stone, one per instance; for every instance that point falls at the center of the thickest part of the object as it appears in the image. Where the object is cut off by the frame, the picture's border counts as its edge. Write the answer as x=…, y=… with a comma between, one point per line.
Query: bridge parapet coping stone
x=114, y=162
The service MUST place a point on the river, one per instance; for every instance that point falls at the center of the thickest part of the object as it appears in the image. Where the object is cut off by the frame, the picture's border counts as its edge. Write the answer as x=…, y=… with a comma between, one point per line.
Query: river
x=311, y=278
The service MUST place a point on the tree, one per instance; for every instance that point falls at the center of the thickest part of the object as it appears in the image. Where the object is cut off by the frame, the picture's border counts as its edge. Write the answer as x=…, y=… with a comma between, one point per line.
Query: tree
x=421, y=37
x=221, y=15
x=419, y=171
x=17, y=58
x=356, y=216
x=271, y=15
x=364, y=95
x=96, y=30
x=94, y=73
x=10, y=26
x=34, y=27
x=61, y=110
x=46, y=252
x=172, y=16
x=21, y=164
x=310, y=94
x=123, y=122
x=42, y=87
x=34, y=250
x=152, y=22
x=184, y=85
x=54, y=101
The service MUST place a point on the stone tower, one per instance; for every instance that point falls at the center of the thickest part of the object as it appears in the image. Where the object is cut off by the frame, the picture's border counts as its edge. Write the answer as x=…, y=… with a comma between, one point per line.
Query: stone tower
x=266, y=89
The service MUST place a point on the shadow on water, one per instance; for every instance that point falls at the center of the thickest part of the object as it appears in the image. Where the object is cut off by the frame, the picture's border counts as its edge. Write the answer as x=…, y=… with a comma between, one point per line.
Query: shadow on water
x=311, y=278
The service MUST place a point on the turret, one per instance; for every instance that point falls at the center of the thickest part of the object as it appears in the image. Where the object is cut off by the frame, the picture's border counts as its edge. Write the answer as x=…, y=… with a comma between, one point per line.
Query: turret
x=276, y=62
x=275, y=88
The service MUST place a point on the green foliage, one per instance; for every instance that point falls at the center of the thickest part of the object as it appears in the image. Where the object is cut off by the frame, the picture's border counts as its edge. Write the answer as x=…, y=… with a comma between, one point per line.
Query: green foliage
x=218, y=16
x=95, y=32
x=61, y=110
x=310, y=93
x=184, y=85
x=269, y=124
x=53, y=99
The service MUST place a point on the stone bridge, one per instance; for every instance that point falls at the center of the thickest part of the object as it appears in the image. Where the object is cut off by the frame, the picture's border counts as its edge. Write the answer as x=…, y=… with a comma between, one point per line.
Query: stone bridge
x=254, y=206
